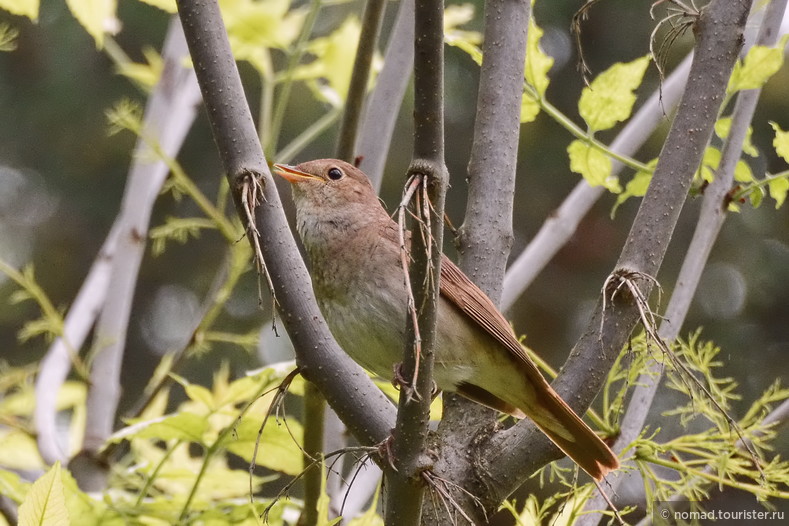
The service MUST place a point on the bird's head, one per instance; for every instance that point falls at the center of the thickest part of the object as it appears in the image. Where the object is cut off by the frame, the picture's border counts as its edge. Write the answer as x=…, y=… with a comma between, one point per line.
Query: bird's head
x=333, y=199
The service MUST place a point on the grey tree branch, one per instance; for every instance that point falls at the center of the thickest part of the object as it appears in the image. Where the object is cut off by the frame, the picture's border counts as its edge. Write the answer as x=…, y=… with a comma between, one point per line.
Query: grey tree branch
x=486, y=234
x=562, y=224
x=515, y=453
x=168, y=117
x=713, y=214
x=361, y=405
x=404, y=479
x=383, y=104
x=360, y=77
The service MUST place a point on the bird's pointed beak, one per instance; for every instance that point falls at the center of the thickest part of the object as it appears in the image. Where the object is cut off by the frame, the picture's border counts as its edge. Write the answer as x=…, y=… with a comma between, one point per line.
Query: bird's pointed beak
x=292, y=174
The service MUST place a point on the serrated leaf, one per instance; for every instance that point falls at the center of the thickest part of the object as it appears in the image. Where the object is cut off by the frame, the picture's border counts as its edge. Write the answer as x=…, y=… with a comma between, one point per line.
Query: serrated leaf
x=278, y=448
x=146, y=74
x=593, y=165
x=530, y=108
x=538, y=64
x=28, y=8
x=329, y=75
x=96, y=16
x=635, y=187
x=756, y=197
x=757, y=67
x=781, y=141
x=742, y=172
x=610, y=97
x=709, y=163
x=180, y=426
x=12, y=486
x=45, y=503
x=778, y=188
x=722, y=127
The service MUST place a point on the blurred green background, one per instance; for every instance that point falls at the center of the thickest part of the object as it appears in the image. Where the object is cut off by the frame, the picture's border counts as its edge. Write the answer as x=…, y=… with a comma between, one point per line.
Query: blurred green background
x=62, y=177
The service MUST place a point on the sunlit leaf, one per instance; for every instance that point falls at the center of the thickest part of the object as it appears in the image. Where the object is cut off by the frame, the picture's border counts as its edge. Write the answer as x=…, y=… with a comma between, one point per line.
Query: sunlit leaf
x=610, y=97
x=45, y=503
x=781, y=141
x=12, y=486
x=742, y=172
x=8, y=36
x=593, y=165
x=28, y=8
x=468, y=41
x=329, y=75
x=180, y=426
x=637, y=186
x=96, y=16
x=722, y=127
x=778, y=188
x=538, y=64
x=146, y=74
x=279, y=444
x=756, y=197
x=18, y=450
x=757, y=67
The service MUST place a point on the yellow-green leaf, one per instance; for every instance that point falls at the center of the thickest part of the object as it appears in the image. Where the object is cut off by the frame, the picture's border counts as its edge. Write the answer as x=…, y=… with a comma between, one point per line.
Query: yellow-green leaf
x=778, y=188
x=330, y=73
x=278, y=448
x=757, y=67
x=11, y=485
x=45, y=503
x=709, y=163
x=722, y=127
x=593, y=165
x=756, y=197
x=742, y=172
x=146, y=74
x=781, y=141
x=96, y=16
x=468, y=41
x=28, y=8
x=637, y=186
x=537, y=62
x=610, y=97
x=181, y=426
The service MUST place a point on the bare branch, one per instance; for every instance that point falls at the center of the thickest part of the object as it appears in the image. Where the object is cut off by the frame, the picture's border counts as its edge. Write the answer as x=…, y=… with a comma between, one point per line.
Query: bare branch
x=360, y=77
x=168, y=117
x=711, y=218
x=404, y=482
x=719, y=38
x=361, y=405
x=380, y=114
x=561, y=225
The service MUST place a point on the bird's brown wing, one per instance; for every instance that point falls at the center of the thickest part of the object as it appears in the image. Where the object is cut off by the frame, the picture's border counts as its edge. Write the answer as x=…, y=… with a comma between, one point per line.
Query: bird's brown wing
x=460, y=290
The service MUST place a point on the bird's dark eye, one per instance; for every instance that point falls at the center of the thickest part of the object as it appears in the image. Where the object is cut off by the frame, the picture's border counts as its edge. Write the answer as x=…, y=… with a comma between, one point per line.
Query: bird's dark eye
x=335, y=173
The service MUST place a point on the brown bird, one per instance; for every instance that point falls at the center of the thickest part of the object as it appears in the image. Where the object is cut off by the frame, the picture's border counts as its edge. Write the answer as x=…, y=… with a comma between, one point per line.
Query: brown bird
x=354, y=252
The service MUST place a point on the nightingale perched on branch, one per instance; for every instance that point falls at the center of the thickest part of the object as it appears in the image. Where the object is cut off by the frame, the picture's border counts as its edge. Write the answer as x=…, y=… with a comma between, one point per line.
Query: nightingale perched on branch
x=354, y=250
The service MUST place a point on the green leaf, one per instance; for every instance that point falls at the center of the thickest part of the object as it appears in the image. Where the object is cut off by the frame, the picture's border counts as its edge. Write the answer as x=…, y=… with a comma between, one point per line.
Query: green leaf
x=778, y=188
x=709, y=163
x=468, y=41
x=8, y=36
x=329, y=75
x=722, y=127
x=742, y=172
x=781, y=141
x=28, y=8
x=537, y=62
x=180, y=426
x=278, y=448
x=146, y=74
x=757, y=67
x=593, y=165
x=637, y=186
x=756, y=196
x=96, y=16
x=609, y=98
x=12, y=486
x=45, y=503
